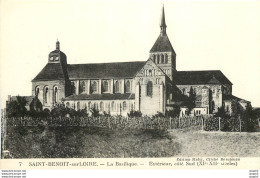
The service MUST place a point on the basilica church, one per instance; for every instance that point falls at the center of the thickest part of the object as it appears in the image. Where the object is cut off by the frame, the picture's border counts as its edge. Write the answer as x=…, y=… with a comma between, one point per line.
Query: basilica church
x=150, y=86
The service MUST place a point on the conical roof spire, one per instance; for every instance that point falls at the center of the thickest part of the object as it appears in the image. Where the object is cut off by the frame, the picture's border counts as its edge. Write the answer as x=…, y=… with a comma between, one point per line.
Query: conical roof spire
x=163, y=24
x=57, y=45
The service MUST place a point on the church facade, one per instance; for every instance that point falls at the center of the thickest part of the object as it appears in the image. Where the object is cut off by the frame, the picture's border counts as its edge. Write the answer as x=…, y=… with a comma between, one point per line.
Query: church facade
x=149, y=86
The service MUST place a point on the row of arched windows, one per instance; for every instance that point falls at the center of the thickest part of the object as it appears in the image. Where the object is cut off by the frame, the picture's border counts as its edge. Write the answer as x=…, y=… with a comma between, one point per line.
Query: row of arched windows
x=160, y=58
x=166, y=71
x=104, y=87
x=154, y=72
x=101, y=106
x=46, y=94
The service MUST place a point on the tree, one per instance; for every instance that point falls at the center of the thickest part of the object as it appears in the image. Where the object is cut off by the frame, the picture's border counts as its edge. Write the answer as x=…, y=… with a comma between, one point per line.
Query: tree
x=134, y=114
x=94, y=112
x=222, y=113
x=236, y=108
x=59, y=110
x=36, y=104
x=16, y=108
x=173, y=113
x=250, y=119
x=190, y=101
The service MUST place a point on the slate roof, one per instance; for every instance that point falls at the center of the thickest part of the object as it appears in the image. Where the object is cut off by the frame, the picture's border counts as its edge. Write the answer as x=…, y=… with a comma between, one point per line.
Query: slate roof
x=52, y=71
x=58, y=52
x=200, y=77
x=103, y=96
x=232, y=97
x=104, y=70
x=162, y=44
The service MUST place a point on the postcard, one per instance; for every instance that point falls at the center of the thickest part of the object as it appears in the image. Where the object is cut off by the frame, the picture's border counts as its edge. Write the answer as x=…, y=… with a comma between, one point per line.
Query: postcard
x=130, y=84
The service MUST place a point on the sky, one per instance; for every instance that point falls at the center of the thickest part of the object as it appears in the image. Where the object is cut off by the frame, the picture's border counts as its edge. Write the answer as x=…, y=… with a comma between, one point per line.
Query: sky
x=206, y=35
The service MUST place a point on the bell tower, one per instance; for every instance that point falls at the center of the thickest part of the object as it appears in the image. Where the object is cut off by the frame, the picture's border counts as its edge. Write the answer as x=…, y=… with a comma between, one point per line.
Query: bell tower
x=162, y=52
x=57, y=56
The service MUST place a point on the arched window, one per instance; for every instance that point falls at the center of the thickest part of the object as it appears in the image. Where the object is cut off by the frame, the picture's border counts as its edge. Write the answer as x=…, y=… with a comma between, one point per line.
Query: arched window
x=116, y=87
x=37, y=91
x=150, y=72
x=166, y=58
x=78, y=106
x=94, y=87
x=132, y=107
x=124, y=106
x=101, y=106
x=89, y=105
x=150, y=89
x=113, y=106
x=127, y=86
x=67, y=104
x=154, y=58
x=55, y=94
x=158, y=58
x=141, y=80
x=212, y=106
x=73, y=88
x=82, y=87
x=105, y=86
x=183, y=91
x=46, y=94
x=162, y=58
x=95, y=105
x=119, y=107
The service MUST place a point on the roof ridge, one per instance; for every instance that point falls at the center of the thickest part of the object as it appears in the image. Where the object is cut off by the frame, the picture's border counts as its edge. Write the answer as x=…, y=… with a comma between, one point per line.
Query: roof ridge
x=109, y=63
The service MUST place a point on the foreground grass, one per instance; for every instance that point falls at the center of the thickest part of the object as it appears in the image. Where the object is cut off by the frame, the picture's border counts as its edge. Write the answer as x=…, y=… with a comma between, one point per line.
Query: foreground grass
x=197, y=143
x=82, y=142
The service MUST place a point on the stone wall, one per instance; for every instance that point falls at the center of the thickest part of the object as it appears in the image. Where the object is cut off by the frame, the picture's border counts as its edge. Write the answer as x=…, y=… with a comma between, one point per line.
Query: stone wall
x=114, y=107
x=211, y=99
x=111, y=85
x=42, y=85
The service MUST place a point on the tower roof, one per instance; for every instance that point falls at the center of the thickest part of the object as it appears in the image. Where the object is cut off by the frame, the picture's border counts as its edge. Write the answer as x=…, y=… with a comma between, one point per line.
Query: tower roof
x=57, y=51
x=163, y=24
x=162, y=43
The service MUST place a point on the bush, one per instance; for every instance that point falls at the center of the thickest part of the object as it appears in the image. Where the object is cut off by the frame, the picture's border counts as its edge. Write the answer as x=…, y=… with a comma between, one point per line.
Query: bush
x=106, y=114
x=39, y=114
x=35, y=104
x=82, y=113
x=222, y=113
x=134, y=114
x=159, y=114
x=173, y=113
x=250, y=120
x=94, y=112
x=59, y=110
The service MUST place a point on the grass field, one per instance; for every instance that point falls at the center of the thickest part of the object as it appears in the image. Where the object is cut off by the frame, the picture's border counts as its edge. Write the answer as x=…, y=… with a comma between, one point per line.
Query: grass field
x=83, y=142
x=201, y=143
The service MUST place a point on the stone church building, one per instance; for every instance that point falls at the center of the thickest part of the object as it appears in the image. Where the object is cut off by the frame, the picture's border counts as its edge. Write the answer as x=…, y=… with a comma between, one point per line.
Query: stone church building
x=149, y=86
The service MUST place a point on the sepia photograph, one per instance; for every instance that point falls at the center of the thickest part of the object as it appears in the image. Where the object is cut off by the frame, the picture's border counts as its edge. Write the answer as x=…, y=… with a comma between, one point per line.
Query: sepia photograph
x=129, y=79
